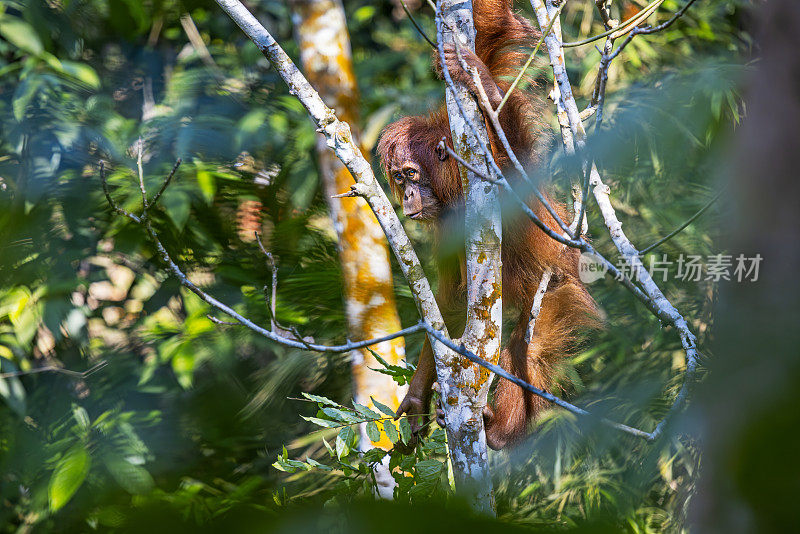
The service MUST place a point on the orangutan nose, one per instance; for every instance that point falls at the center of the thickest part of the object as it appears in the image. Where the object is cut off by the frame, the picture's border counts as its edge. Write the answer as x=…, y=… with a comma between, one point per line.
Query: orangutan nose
x=412, y=202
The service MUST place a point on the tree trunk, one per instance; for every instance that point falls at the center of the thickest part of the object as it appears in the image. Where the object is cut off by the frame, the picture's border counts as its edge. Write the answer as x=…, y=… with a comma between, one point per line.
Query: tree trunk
x=468, y=389
x=368, y=289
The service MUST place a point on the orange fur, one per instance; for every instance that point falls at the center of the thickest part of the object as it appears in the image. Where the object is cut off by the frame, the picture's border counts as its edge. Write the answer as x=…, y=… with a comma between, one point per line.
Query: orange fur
x=527, y=252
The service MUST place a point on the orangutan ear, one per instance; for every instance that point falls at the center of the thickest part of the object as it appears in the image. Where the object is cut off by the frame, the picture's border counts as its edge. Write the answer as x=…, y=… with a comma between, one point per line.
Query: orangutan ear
x=441, y=151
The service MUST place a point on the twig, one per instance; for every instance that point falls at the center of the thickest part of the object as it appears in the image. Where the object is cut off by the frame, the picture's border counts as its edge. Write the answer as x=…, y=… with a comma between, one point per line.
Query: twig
x=452, y=153
x=668, y=23
x=605, y=14
x=530, y=59
x=417, y=26
x=139, y=151
x=622, y=28
x=241, y=320
x=536, y=307
x=678, y=230
x=588, y=112
x=270, y=260
x=499, y=371
x=501, y=135
x=654, y=298
x=110, y=200
x=52, y=369
x=577, y=228
x=166, y=182
x=647, y=30
x=578, y=221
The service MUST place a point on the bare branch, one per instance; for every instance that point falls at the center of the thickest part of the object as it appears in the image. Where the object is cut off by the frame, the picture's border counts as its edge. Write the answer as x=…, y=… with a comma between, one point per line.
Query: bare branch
x=536, y=307
x=139, y=153
x=166, y=182
x=417, y=26
x=499, y=371
x=53, y=369
x=623, y=28
x=443, y=146
x=605, y=14
x=653, y=297
x=272, y=334
x=679, y=229
x=340, y=140
x=110, y=200
x=530, y=59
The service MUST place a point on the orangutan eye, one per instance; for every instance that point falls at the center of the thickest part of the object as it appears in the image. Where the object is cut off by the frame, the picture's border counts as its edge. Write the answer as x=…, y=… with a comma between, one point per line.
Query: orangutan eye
x=398, y=177
x=411, y=173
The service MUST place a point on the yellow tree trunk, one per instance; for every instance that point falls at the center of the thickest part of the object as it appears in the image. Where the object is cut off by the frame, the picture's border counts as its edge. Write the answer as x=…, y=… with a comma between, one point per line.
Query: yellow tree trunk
x=368, y=290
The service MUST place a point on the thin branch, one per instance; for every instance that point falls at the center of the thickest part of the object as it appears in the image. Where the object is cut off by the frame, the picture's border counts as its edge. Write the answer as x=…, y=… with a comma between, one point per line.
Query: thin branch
x=111, y=201
x=536, y=307
x=599, y=95
x=647, y=30
x=417, y=26
x=670, y=22
x=654, y=298
x=506, y=146
x=52, y=369
x=622, y=28
x=605, y=14
x=220, y=322
x=241, y=320
x=499, y=371
x=530, y=59
x=588, y=112
x=679, y=229
x=166, y=182
x=139, y=152
x=274, y=270
x=578, y=227
x=452, y=153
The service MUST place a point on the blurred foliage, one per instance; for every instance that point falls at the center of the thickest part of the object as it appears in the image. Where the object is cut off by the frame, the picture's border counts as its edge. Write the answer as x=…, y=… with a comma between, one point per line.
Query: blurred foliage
x=181, y=428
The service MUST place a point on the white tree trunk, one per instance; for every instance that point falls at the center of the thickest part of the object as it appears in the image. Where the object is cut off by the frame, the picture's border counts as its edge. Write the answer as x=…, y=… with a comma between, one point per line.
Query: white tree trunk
x=325, y=56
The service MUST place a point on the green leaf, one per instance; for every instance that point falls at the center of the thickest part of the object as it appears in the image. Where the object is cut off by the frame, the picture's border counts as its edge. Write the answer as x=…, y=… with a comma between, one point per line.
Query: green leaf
x=21, y=34
x=428, y=470
x=324, y=423
x=207, y=185
x=134, y=479
x=345, y=441
x=373, y=432
x=178, y=205
x=289, y=466
x=405, y=429
x=81, y=416
x=366, y=412
x=382, y=407
x=374, y=455
x=320, y=399
x=183, y=364
x=69, y=474
x=81, y=72
x=391, y=431
x=313, y=463
x=340, y=415
x=328, y=446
